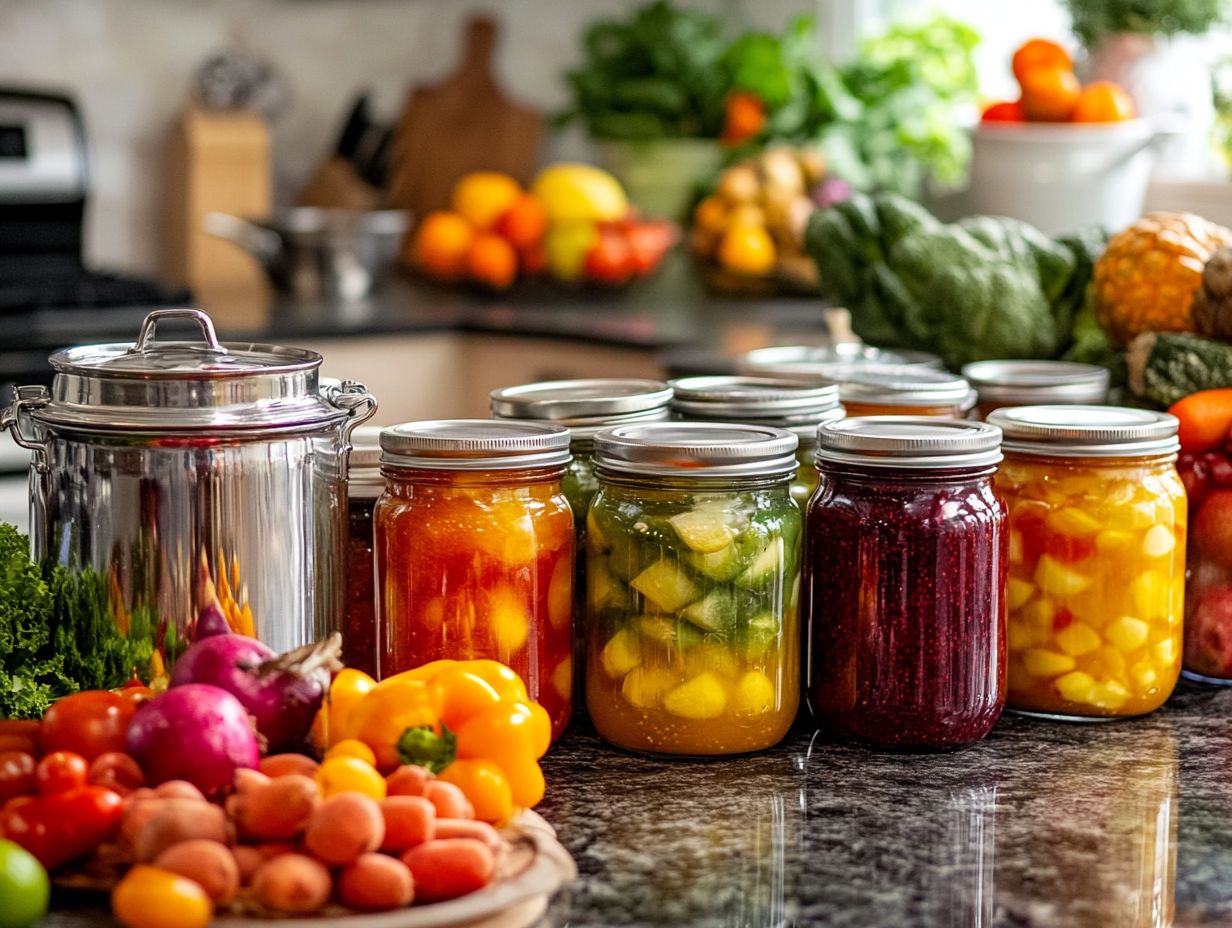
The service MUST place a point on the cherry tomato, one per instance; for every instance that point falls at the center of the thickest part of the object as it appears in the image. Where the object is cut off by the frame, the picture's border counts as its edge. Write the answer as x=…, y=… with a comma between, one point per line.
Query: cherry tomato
x=17, y=735
x=148, y=897
x=117, y=772
x=60, y=771
x=89, y=723
x=16, y=775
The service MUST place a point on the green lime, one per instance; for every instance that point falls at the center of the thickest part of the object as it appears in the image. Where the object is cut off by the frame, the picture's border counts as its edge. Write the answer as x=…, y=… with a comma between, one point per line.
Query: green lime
x=24, y=888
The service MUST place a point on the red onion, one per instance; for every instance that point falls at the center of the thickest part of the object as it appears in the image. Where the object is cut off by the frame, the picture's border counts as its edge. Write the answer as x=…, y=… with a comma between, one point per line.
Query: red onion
x=197, y=733
x=281, y=692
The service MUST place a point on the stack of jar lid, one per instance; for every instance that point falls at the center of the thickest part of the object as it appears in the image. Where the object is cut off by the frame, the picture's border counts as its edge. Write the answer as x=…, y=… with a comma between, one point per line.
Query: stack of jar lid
x=803, y=359
x=584, y=406
x=793, y=405
x=1031, y=383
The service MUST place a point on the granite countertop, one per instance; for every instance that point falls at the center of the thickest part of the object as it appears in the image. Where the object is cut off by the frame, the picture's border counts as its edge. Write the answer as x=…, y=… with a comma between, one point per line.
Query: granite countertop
x=1124, y=824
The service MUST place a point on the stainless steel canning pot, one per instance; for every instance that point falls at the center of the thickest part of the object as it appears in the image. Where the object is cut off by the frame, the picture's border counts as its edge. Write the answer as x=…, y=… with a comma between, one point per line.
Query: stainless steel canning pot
x=165, y=464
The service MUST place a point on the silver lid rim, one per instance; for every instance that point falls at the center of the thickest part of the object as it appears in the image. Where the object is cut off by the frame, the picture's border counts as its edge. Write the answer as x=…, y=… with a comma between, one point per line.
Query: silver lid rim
x=1075, y=431
x=475, y=444
x=624, y=396
x=641, y=449
x=921, y=443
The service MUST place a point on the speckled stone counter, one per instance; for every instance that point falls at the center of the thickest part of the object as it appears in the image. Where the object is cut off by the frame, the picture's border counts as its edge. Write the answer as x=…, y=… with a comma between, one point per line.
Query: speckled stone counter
x=1119, y=824
x=1122, y=825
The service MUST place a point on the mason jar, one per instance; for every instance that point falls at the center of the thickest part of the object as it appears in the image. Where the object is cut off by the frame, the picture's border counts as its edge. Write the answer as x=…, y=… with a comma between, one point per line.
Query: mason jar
x=904, y=583
x=584, y=407
x=1096, y=583
x=364, y=486
x=1035, y=383
x=794, y=405
x=692, y=588
x=899, y=390
x=474, y=552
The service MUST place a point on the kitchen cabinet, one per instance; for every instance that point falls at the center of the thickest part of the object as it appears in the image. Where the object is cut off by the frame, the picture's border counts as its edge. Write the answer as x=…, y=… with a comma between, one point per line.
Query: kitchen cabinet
x=449, y=375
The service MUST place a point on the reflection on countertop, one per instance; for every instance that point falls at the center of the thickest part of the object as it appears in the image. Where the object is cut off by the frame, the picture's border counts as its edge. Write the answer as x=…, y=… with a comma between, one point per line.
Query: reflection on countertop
x=1122, y=824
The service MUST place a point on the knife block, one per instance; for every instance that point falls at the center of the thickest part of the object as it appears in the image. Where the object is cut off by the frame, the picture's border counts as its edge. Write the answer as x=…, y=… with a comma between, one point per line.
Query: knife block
x=215, y=161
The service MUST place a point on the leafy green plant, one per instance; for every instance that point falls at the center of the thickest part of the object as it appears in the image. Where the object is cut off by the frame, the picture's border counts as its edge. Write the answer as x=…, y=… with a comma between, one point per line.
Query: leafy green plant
x=1094, y=19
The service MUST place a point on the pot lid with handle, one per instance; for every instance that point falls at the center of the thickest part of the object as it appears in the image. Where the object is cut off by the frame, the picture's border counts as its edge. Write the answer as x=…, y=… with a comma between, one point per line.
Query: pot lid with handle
x=202, y=385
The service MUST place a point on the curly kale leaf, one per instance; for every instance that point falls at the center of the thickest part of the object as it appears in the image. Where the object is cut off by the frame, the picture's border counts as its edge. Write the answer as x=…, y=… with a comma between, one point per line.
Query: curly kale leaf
x=31, y=672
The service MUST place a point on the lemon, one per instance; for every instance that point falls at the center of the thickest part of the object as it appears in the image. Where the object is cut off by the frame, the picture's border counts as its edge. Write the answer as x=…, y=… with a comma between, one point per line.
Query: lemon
x=579, y=193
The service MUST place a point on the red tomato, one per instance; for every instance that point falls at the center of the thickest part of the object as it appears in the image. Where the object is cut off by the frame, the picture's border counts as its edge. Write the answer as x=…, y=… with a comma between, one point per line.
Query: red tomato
x=16, y=775
x=609, y=260
x=1006, y=111
x=117, y=772
x=61, y=771
x=89, y=723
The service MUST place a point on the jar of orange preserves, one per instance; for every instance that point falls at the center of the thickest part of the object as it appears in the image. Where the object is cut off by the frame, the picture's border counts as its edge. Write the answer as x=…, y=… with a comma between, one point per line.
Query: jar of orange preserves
x=1096, y=584
x=899, y=390
x=474, y=552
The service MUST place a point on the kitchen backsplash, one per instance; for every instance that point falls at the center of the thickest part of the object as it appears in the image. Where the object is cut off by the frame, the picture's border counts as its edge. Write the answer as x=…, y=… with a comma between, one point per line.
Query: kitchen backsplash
x=129, y=64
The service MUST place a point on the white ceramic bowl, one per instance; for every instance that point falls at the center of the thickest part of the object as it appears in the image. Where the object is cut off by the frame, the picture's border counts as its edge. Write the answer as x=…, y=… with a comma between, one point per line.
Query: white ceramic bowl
x=1062, y=177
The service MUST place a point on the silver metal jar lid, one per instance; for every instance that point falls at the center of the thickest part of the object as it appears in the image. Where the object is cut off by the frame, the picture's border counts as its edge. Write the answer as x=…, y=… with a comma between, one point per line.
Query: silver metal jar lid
x=159, y=385
x=364, y=466
x=898, y=385
x=721, y=398
x=1086, y=431
x=1036, y=382
x=474, y=444
x=585, y=406
x=908, y=442
x=696, y=449
x=803, y=359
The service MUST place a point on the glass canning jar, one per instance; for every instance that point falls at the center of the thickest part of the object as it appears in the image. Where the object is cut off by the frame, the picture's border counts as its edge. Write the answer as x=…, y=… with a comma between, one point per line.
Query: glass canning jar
x=474, y=552
x=1097, y=559
x=899, y=390
x=1035, y=383
x=794, y=405
x=584, y=407
x=904, y=583
x=364, y=485
x=692, y=587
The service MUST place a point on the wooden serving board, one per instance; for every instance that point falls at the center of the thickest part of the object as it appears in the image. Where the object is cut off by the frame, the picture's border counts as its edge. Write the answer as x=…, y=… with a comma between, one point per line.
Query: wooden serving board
x=465, y=123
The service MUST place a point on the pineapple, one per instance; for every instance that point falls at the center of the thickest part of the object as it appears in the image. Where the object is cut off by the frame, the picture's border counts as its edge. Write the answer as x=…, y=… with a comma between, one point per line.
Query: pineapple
x=1147, y=278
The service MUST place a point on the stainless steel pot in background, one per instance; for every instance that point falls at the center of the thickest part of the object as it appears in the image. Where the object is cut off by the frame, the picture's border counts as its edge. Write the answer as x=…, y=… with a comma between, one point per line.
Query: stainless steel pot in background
x=159, y=463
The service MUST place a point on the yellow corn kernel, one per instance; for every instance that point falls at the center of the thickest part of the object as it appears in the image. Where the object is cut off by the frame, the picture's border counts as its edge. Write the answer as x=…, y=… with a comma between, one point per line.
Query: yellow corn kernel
x=1158, y=541
x=1109, y=695
x=1144, y=677
x=1108, y=663
x=1072, y=521
x=754, y=694
x=1091, y=606
x=643, y=687
x=562, y=679
x=703, y=697
x=1113, y=542
x=1151, y=594
x=621, y=654
x=1017, y=592
x=1127, y=633
x=1055, y=578
x=1135, y=517
x=1075, y=686
x=1077, y=639
x=1018, y=635
x=1165, y=654
x=1038, y=615
x=1041, y=663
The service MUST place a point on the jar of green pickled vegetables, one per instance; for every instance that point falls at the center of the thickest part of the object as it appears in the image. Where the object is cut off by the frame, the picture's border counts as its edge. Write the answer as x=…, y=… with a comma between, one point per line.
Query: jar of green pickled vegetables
x=693, y=579
x=585, y=407
x=792, y=404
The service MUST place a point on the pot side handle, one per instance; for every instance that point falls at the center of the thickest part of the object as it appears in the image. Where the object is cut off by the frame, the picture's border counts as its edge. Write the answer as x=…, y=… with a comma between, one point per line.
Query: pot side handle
x=16, y=418
x=360, y=406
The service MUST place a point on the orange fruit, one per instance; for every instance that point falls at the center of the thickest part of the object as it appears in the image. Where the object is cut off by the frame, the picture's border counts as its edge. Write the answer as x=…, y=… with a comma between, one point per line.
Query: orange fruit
x=492, y=261
x=748, y=249
x=524, y=223
x=1103, y=101
x=441, y=244
x=1049, y=94
x=482, y=196
x=1039, y=53
x=1007, y=111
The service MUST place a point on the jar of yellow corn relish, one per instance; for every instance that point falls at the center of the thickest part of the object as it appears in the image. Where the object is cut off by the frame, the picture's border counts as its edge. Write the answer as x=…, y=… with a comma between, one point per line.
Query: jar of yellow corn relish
x=1096, y=584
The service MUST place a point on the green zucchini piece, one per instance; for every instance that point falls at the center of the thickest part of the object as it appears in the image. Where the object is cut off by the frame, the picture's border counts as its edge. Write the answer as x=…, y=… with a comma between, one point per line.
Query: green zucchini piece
x=765, y=566
x=668, y=632
x=666, y=586
x=722, y=565
x=703, y=530
x=716, y=613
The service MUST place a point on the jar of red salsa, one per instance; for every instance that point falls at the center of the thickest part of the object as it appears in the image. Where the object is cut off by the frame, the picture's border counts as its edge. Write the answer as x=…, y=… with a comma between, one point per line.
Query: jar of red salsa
x=474, y=552
x=364, y=485
x=904, y=583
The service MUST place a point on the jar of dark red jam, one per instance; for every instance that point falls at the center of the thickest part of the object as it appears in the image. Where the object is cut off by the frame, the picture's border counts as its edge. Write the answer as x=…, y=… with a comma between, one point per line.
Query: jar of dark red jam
x=584, y=407
x=791, y=404
x=905, y=583
x=364, y=485
x=474, y=552
x=1030, y=383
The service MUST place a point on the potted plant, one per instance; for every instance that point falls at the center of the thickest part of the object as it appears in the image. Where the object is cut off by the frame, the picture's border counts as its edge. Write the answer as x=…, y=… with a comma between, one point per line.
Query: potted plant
x=651, y=94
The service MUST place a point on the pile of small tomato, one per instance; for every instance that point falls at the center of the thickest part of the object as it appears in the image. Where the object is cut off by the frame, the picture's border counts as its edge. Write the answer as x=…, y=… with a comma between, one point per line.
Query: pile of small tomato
x=414, y=773
x=1051, y=92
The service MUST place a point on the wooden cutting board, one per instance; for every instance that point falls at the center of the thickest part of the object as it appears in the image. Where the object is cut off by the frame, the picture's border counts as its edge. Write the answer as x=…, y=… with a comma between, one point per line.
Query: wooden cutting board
x=465, y=123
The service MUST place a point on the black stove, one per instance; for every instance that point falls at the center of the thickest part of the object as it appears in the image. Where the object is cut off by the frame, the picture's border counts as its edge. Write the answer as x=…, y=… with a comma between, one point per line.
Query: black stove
x=48, y=297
